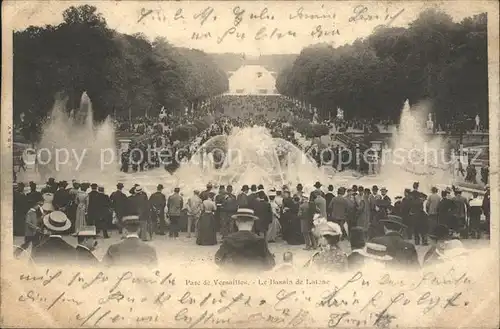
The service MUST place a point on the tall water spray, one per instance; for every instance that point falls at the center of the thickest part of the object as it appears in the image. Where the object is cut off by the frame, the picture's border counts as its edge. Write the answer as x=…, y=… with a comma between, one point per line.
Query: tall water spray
x=252, y=156
x=414, y=155
x=73, y=147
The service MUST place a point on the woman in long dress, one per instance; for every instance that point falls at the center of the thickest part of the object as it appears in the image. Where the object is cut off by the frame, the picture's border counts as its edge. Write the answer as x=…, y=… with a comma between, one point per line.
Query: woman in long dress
x=206, y=232
x=274, y=227
x=82, y=203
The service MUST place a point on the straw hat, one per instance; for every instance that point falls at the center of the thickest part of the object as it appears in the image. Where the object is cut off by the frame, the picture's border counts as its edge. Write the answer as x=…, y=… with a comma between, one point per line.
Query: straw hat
x=243, y=213
x=57, y=221
x=375, y=251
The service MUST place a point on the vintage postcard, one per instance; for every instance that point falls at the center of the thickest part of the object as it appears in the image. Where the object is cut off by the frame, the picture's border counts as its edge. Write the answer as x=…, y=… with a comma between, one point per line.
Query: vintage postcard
x=250, y=164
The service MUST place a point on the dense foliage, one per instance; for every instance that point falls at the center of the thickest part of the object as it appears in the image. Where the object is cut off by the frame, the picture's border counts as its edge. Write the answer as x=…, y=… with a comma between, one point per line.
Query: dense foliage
x=434, y=59
x=123, y=74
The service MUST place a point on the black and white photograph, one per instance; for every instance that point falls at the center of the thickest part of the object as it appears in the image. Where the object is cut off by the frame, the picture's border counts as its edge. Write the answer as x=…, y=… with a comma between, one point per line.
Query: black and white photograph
x=239, y=164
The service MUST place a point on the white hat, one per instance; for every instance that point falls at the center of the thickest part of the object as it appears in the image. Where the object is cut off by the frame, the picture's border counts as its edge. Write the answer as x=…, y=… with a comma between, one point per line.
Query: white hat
x=453, y=248
x=329, y=228
x=375, y=251
x=271, y=193
x=57, y=221
x=244, y=213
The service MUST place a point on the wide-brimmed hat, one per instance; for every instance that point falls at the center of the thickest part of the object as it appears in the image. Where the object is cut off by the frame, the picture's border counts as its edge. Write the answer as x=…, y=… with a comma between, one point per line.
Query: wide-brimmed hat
x=394, y=219
x=271, y=193
x=138, y=188
x=328, y=228
x=440, y=232
x=86, y=231
x=317, y=185
x=130, y=219
x=243, y=213
x=375, y=251
x=57, y=221
x=452, y=248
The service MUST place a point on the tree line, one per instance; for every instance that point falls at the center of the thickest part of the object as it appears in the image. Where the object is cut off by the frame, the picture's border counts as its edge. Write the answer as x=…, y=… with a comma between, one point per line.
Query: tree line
x=434, y=59
x=122, y=74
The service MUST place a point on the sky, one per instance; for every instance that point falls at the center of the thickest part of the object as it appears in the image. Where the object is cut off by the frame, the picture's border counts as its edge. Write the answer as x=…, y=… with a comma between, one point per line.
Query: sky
x=253, y=28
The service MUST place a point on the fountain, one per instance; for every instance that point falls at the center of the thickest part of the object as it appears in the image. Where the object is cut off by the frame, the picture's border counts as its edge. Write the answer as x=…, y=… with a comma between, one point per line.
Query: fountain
x=252, y=156
x=413, y=155
x=77, y=148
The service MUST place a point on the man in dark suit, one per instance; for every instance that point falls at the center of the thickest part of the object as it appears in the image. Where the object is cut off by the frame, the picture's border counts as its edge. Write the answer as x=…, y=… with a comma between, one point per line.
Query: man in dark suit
x=244, y=249
x=21, y=206
x=61, y=197
x=86, y=244
x=243, y=197
x=252, y=196
x=204, y=194
x=264, y=213
x=158, y=201
x=328, y=198
x=93, y=211
x=54, y=250
x=403, y=253
x=104, y=217
x=131, y=251
x=118, y=204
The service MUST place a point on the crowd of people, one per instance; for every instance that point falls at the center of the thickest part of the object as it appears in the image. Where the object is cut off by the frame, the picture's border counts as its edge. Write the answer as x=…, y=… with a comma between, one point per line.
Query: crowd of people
x=247, y=221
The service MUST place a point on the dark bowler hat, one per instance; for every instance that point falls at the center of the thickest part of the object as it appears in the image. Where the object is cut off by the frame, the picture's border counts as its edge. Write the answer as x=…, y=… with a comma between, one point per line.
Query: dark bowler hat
x=317, y=185
x=245, y=187
x=394, y=219
x=159, y=187
x=440, y=232
x=119, y=186
x=93, y=186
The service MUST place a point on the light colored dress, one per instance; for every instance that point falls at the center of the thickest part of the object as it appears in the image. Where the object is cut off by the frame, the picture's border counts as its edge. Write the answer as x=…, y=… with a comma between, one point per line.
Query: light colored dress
x=274, y=227
x=82, y=201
